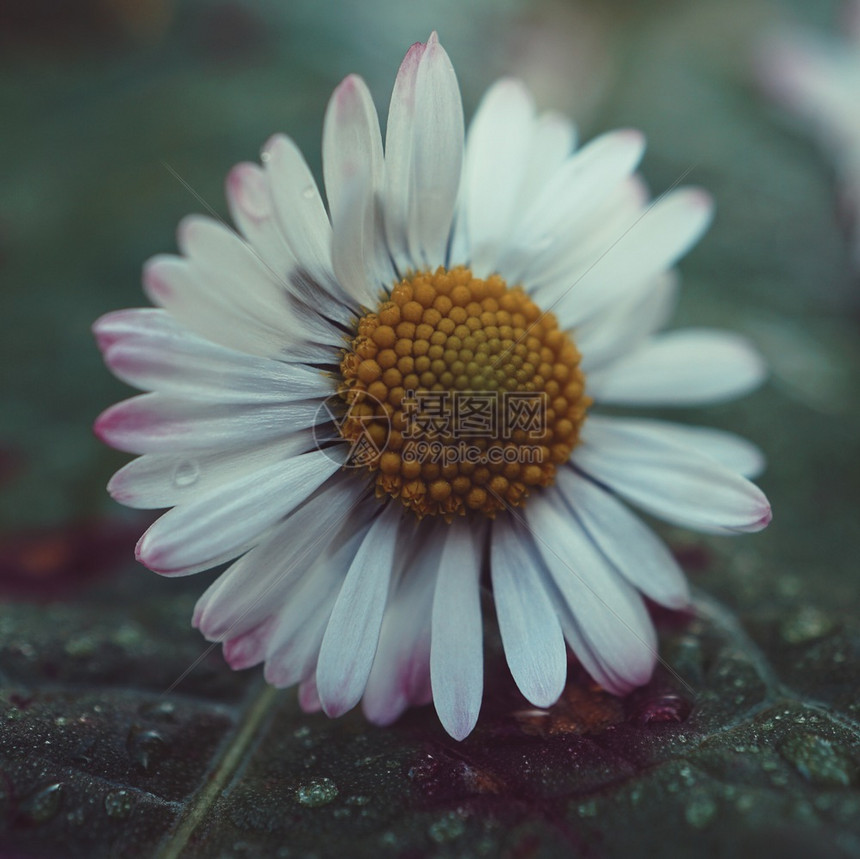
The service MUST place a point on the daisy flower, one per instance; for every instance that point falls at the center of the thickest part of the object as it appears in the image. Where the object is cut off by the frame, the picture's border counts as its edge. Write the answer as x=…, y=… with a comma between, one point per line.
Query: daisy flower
x=375, y=408
x=818, y=79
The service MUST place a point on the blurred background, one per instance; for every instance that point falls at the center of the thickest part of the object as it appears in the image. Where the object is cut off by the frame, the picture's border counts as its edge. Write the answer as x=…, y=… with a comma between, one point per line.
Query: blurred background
x=104, y=103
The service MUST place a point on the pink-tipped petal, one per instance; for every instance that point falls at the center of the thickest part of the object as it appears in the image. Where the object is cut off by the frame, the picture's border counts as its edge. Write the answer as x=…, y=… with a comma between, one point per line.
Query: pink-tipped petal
x=670, y=481
x=248, y=649
x=353, y=168
x=154, y=423
x=229, y=516
x=309, y=699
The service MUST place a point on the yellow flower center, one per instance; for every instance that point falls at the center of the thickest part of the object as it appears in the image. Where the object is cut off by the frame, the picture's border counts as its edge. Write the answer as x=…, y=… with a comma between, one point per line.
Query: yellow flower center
x=464, y=393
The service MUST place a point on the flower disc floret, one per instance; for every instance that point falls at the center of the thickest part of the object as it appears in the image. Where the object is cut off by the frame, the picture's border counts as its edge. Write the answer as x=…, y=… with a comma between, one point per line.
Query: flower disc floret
x=470, y=393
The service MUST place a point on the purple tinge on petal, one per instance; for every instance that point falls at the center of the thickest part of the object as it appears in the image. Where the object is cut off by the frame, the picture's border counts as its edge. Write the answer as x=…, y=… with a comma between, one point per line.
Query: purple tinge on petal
x=309, y=699
x=128, y=417
x=672, y=482
x=248, y=192
x=406, y=73
x=248, y=649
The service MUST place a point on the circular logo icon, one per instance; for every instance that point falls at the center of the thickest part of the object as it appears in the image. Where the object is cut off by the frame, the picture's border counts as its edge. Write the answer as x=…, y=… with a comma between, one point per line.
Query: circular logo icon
x=339, y=421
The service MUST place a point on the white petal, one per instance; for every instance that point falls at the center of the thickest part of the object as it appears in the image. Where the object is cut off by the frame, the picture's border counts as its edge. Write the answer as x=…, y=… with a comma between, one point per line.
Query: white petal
x=599, y=669
x=166, y=357
x=165, y=479
x=300, y=211
x=259, y=583
x=353, y=167
x=553, y=140
x=226, y=518
x=354, y=173
x=621, y=327
x=608, y=611
x=253, y=212
x=135, y=322
x=551, y=276
x=399, y=196
x=456, y=649
x=437, y=155
x=215, y=248
x=531, y=635
x=248, y=648
x=633, y=548
x=250, y=193
x=350, y=641
x=663, y=234
x=357, y=226
x=154, y=423
x=693, y=366
x=309, y=699
x=670, y=481
x=570, y=200
x=423, y=156
x=497, y=148
x=294, y=644
x=261, y=289
x=726, y=448
x=352, y=142
x=212, y=305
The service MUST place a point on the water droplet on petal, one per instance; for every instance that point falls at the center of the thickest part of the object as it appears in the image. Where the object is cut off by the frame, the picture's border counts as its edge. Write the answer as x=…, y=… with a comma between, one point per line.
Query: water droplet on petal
x=186, y=473
x=309, y=193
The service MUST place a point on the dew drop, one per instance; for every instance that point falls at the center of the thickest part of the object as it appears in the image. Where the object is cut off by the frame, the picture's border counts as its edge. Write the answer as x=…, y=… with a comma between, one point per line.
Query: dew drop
x=317, y=792
x=118, y=804
x=145, y=747
x=41, y=806
x=309, y=192
x=186, y=473
x=162, y=711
